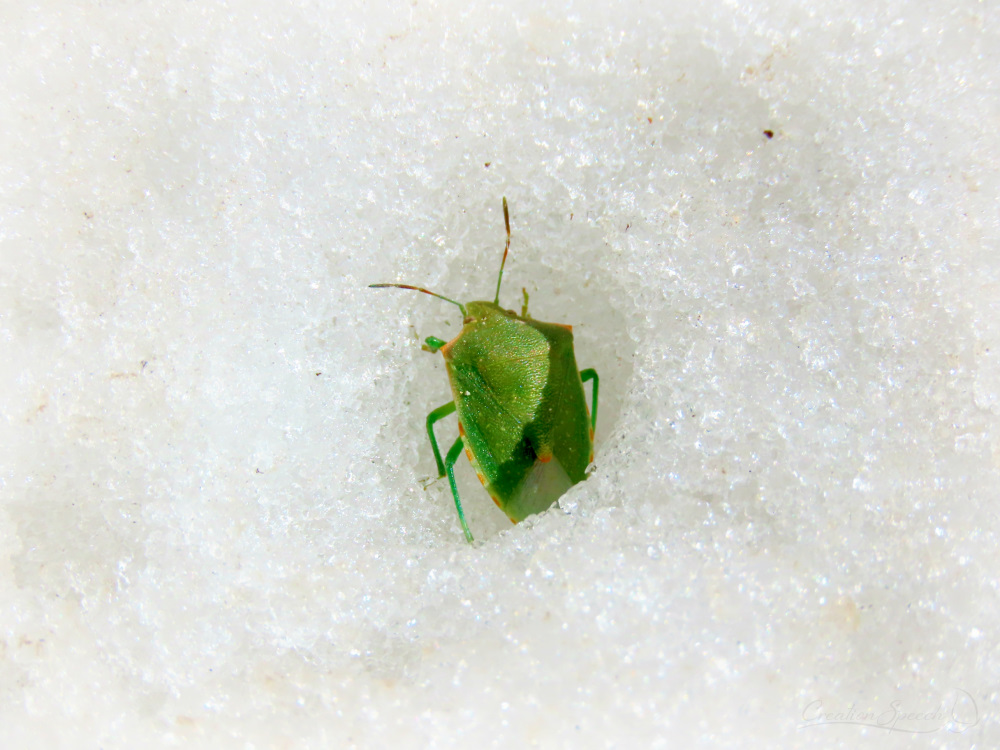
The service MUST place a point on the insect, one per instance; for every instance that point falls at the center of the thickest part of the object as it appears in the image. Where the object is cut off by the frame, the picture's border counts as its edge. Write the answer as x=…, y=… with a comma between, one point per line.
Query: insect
x=522, y=415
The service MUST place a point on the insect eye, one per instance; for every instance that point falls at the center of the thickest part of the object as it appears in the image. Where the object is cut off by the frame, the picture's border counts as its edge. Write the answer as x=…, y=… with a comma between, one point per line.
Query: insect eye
x=510, y=313
x=466, y=321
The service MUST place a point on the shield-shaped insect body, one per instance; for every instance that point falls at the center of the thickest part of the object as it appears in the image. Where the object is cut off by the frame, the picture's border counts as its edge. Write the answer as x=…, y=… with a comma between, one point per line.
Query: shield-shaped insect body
x=522, y=415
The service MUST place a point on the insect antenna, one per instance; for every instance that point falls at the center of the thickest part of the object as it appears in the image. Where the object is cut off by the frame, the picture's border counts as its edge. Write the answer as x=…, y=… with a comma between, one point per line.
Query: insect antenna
x=506, y=221
x=420, y=289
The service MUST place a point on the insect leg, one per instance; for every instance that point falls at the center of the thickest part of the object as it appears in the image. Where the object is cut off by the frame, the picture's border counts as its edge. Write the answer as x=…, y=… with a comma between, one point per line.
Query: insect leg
x=591, y=374
x=449, y=462
x=524, y=307
x=433, y=344
x=440, y=413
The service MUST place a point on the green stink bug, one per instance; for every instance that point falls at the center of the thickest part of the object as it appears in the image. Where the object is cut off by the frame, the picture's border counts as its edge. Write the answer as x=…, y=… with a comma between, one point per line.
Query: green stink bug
x=522, y=414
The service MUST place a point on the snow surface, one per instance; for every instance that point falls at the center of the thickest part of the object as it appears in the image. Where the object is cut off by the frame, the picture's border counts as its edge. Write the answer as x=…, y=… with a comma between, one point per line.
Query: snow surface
x=217, y=527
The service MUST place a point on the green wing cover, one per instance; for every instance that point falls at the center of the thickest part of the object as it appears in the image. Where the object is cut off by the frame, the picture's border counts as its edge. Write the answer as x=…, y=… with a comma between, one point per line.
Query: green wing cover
x=521, y=406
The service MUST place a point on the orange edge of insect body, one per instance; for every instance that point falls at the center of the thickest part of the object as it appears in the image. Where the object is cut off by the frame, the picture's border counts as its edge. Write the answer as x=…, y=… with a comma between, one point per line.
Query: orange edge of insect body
x=446, y=349
x=479, y=474
x=468, y=453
